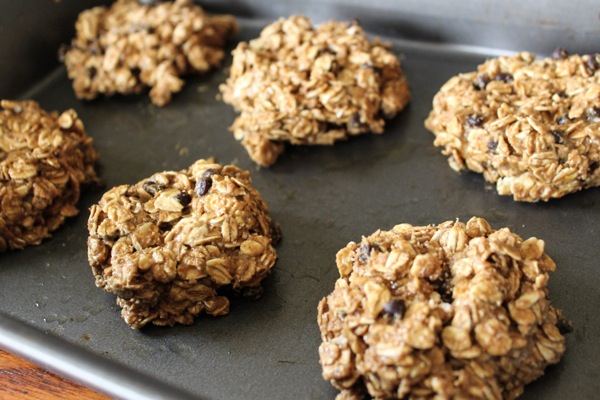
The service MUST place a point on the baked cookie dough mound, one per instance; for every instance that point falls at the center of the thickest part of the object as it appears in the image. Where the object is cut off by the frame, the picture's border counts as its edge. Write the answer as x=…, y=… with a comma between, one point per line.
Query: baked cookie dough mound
x=532, y=127
x=306, y=85
x=449, y=311
x=166, y=245
x=45, y=158
x=133, y=45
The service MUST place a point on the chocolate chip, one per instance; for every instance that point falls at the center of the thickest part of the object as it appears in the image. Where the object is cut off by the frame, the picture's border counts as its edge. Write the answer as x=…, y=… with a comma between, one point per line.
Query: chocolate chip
x=558, y=136
x=475, y=120
x=480, y=82
x=593, y=167
x=152, y=187
x=593, y=114
x=492, y=145
x=559, y=53
x=365, y=251
x=563, y=120
x=184, y=198
x=395, y=308
x=504, y=77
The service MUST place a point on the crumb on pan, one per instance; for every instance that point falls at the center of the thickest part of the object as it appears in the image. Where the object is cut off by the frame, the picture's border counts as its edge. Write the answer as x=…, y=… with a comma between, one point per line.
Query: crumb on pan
x=311, y=85
x=448, y=311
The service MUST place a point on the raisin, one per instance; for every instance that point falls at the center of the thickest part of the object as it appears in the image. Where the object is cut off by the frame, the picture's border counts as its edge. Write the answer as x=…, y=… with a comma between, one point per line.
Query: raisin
x=184, y=198
x=480, y=82
x=365, y=251
x=165, y=226
x=205, y=182
x=475, y=120
x=492, y=145
x=504, y=77
x=395, y=308
x=152, y=187
x=558, y=136
x=559, y=53
x=202, y=186
x=209, y=172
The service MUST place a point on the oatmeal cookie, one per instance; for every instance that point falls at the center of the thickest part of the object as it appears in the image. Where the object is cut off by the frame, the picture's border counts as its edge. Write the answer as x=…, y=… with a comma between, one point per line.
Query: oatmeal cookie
x=167, y=245
x=133, y=45
x=531, y=127
x=45, y=158
x=306, y=85
x=449, y=311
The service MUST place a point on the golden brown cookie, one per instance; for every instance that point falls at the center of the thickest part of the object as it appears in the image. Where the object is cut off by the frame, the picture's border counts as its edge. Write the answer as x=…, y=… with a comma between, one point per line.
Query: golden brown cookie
x=311, y=85
x=449, y=311
x=168, y=245
x=132, y=45
x=531, y=127
x=45, y=158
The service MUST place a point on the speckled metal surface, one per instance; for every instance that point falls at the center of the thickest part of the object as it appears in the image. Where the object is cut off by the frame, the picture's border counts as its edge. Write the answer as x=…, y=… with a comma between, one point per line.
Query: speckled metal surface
x=323, y=197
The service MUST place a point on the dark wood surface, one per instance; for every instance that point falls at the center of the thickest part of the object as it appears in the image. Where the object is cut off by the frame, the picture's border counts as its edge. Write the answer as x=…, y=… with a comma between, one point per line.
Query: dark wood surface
x=22, y=380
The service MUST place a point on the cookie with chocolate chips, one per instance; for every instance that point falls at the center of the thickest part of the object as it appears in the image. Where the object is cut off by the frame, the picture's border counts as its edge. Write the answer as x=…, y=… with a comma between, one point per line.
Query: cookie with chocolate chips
x=453, y=311
x=170, y=245
x=530, y=126
x=45, y=160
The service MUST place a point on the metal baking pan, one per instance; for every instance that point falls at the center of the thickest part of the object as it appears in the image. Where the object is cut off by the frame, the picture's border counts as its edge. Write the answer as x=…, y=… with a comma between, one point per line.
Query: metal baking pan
x=323, y=197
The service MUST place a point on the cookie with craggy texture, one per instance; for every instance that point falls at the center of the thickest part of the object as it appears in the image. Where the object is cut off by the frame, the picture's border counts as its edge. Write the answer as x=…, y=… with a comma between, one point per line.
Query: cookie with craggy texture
x=453, y=311
x=133, y=45
x=171, y=246
x=45, y=159
x=307, y=85
x=530, y=126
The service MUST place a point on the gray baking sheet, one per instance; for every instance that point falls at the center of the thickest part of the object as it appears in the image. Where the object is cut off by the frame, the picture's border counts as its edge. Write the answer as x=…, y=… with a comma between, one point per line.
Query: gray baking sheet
x=323, y=197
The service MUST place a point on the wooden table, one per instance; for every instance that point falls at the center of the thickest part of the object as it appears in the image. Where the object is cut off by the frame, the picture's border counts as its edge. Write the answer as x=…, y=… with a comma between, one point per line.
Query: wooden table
x=22, y=380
